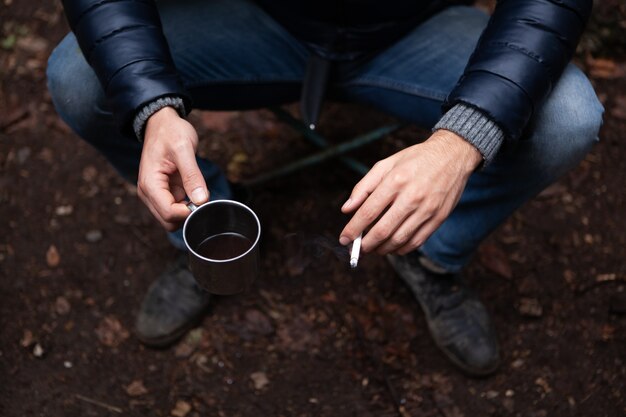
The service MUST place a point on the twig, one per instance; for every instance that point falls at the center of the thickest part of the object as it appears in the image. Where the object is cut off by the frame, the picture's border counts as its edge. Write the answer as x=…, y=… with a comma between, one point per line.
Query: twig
x=586, y=288
x=99, y=404
x=13, y=119
x=141, y=238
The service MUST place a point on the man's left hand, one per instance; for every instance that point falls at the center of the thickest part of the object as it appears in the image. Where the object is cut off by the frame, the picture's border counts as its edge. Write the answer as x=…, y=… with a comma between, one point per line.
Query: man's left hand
x=404, y=198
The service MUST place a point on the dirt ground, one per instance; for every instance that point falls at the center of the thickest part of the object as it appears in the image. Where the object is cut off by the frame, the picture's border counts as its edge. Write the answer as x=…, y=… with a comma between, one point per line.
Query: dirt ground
x=311, y=338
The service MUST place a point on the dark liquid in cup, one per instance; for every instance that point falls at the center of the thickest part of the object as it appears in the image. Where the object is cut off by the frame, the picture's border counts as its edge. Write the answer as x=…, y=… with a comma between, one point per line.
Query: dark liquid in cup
x=224, y=246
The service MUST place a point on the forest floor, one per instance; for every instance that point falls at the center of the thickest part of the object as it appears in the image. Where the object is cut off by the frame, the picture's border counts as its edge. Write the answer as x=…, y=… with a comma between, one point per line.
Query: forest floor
x=310, y=338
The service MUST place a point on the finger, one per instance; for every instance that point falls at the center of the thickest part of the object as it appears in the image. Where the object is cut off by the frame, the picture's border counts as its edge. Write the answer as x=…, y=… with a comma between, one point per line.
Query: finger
x=423, y=233
x=365, y=187
x=193, y=181
x=167, y=207
x=389, y=224
x=176, y=187
x=404, y=233
x=367, y=214
x=178, y=192
x=157, y=190
x=167, y=226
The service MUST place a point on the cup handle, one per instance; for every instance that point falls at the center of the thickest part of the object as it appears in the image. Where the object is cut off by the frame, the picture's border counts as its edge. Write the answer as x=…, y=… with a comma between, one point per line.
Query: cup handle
x=192, y=207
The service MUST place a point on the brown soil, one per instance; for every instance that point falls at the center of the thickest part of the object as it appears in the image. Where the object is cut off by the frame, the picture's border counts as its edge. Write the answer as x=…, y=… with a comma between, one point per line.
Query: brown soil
x=311, y=338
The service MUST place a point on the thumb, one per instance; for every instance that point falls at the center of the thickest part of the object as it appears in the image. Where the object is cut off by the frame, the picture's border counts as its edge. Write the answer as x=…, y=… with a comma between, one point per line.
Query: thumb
x=193, y=181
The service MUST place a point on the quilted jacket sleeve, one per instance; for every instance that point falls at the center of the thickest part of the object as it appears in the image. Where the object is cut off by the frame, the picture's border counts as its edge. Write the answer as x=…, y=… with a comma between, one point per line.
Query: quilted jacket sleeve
x=519, y=58
x=123, y=42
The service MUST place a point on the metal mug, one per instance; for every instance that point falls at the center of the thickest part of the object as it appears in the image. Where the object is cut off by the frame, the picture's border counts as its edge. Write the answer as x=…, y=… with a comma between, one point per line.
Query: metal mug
x=220, y=217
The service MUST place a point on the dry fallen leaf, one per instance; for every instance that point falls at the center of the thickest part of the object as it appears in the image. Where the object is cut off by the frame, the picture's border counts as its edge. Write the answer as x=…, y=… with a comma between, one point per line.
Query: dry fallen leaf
x=608, y=332
x=235, y=165
x=89, y=173
x=181, y=409
x=618, y=110
x=136, y=388
x=93, y=236
x=604, y=68
x=543, y=384
x=27, y=338
x=496, y=260
x=52, y=256
x=530, y=307
x=218, y=121
x=258, y=323
x=110, y=332
x=606, y=277
x=259, y=379
x=62, y=306
x=32, y=44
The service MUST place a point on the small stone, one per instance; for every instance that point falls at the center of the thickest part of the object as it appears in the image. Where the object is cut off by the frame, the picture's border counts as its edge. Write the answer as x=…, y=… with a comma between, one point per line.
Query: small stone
x=122, y=219
x=490, y=395
x=313, y=400
x=62, y=306
x=181, y=409
x=517, y=363
x=259, y=379
x=67, y=364
x=93, y=236
x=38, y=351
x=530, y=307
x=64, y=210
x=22, y=155
x=509, y=393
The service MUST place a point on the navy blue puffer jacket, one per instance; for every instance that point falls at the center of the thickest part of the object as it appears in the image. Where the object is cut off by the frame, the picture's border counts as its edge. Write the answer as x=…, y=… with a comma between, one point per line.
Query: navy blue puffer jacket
x=518, y=60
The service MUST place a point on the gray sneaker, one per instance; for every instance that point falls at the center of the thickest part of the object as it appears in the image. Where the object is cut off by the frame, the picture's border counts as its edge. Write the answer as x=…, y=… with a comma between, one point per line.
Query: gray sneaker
x=457, y=320
x=172, y=305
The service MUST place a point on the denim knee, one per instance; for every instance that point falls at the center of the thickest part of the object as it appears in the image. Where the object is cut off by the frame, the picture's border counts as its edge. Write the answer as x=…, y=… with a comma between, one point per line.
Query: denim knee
x=567, y=125
x=75, y=90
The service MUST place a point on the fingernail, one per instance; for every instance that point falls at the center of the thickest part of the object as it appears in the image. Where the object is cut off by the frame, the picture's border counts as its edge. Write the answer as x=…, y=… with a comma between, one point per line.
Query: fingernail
x=347, y=204
x=344, y=240
x=198, y=195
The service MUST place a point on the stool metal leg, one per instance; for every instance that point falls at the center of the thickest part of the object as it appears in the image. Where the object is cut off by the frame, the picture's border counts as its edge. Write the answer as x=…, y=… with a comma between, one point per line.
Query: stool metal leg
x=316, y=139
x=327, y=153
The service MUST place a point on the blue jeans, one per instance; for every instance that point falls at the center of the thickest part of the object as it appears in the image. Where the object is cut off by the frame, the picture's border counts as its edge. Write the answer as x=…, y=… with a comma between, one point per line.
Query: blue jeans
x=232, y=55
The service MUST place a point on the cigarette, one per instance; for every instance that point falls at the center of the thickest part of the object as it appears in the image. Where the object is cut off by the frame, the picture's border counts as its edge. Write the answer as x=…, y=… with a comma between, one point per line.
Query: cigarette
x=356, y=250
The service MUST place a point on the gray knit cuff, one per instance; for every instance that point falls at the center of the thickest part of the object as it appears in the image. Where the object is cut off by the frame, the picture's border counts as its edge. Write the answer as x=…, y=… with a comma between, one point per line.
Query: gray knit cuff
x=149, y=109
x=475, y=127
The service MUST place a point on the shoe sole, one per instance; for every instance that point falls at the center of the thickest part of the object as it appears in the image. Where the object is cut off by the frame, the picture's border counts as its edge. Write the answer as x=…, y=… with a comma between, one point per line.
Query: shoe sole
x=468, y=371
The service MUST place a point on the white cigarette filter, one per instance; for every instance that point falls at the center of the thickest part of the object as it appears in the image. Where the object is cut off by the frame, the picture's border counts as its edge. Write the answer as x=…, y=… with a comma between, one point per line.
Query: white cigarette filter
x=356, y=251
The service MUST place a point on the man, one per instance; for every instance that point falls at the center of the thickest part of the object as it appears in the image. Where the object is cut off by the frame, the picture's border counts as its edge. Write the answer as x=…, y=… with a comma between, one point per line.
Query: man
x=516, y=116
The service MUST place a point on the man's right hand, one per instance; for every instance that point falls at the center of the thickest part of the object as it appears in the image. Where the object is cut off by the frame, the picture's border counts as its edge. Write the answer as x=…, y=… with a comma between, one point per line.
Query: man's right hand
x=168, y=170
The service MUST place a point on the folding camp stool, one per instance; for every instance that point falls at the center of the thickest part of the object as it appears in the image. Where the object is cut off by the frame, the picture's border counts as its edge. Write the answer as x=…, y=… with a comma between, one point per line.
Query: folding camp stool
x=313, y=89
